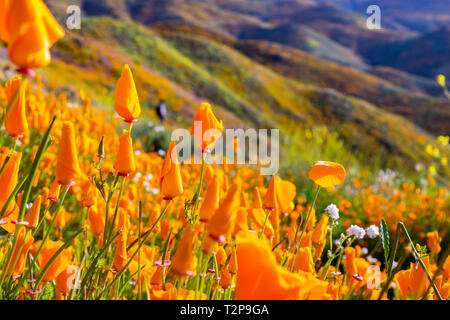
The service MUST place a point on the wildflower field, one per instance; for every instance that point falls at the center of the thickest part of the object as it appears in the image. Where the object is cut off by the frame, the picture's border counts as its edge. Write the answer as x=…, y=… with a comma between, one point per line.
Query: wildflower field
x=89, y=211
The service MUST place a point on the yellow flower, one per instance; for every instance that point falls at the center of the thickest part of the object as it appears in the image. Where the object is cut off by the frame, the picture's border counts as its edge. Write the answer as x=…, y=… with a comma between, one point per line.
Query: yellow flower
x=443, y=140
x=432, y=170
x=441, y=79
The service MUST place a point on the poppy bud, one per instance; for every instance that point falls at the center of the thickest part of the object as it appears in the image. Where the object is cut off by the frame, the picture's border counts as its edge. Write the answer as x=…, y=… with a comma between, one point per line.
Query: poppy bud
x=8, y=178
x=171, y=184
x=270, y=200
x=126, y=98
x=206, y=128
x=233, y=267
x=211, y=201
x=125, y=164
x=67, y=168
x=222, y=221
x=16, y=121
x=120, y=256
x=25, y=241
x=96, y=220
x=321, y=229
x=182, y=259
x=32, y=216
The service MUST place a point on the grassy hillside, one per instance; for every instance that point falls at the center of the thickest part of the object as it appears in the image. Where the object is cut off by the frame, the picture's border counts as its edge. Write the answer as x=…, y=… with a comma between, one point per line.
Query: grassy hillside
x=185, y=69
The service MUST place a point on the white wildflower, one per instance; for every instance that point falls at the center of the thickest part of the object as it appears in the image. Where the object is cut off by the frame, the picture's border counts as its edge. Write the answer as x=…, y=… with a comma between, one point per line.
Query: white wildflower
x=356, y=231
x=373, y=231
x=332, y=211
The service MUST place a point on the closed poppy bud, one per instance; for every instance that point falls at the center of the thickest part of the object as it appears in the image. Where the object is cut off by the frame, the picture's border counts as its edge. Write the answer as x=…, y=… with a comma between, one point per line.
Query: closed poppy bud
x=222, y=221
x=64, y=281
x=350, y=263
x=96, y=220
x=16, y=121
x=25, y=241
x=233, y=267
x=211, y=201
x=433, y=242
x=221, y=257
x=206, y=128
x=171, y=184
x=418, y=278
x=225, y=279
x=67, y=167
x=125, y=164
x=321, y=229
x=304, y=261
x=182, y=259
x=120, y=256
x=54, y=191
x=126, y=101
x=32, y=216
x=270, y=200
x=327, y=174
x=8, y=178
x=401, y=279
x=30, y=30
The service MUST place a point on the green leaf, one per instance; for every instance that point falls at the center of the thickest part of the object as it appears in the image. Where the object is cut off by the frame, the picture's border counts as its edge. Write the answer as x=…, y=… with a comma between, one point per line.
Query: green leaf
x=385, y=239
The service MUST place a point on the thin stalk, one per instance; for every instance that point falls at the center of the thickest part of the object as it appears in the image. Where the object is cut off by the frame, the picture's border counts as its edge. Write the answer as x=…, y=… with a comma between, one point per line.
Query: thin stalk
x=139, y=254
x=264, y=225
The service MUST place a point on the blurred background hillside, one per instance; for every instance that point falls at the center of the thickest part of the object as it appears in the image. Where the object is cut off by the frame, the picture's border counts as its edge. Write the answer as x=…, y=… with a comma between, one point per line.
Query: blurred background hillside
x=337, y=90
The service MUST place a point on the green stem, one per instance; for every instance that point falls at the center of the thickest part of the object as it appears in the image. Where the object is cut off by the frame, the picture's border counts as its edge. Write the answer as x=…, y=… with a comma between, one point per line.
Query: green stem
x=264, y=225
x=137, y=250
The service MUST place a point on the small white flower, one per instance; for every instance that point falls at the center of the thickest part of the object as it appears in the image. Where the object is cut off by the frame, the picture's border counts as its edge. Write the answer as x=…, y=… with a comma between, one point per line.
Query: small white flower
x=356, y=231
x=29, y=205
x=148, y=177
x=19, y=143
x=373, y=231
x=332, y=211
x=371, y=259
x=154, y=190
x=394, y=264
x=159, y=129
x=137, y=176
x=364, y=251
x=161, y=152
x=137, y=152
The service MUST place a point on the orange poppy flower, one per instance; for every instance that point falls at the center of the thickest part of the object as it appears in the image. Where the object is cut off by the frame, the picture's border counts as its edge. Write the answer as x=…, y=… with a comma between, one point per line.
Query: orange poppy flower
x=327, y=174
x=211, y=201
x=32, y=216
x=48, y=250
x=30, y=30
x=259, y=276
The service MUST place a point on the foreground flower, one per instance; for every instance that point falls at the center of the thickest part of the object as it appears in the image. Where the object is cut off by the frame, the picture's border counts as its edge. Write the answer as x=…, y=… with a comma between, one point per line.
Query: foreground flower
x=30, y=30
x=260, y=277
x=327, y=174
x=171, y=184
x=126, y=101
x=372, y=231
x=49, y=249
x=16, y=121
x=67, y=167
x=206, y=128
